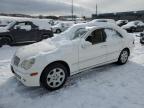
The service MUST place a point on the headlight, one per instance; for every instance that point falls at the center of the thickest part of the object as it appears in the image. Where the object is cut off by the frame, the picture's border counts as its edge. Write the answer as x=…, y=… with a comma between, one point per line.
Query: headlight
x=27, y=64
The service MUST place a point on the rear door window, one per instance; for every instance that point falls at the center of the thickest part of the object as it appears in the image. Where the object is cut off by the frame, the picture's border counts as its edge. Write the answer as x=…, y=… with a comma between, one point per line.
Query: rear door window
x=112, y=34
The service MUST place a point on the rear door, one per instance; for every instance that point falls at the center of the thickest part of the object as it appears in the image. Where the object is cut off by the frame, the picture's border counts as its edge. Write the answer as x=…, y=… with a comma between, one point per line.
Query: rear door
x=114, y=43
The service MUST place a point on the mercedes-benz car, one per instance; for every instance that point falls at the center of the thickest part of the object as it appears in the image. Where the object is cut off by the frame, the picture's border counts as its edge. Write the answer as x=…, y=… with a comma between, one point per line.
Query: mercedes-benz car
x=49, y=63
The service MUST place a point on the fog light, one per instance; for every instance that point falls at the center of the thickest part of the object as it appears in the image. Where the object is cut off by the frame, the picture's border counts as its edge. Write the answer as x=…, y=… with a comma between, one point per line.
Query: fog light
x=34, y=74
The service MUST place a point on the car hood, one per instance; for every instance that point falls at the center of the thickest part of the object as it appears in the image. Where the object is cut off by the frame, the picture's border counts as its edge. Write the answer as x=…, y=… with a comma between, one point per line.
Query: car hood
x=3, y=29
x=35, y=49
x=43, y=47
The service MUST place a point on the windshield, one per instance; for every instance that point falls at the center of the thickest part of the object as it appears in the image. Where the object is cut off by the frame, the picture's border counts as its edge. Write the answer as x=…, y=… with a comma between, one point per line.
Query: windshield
x=119, y=22
x=70, y=32
x=80, y=32
x=10, y=25
x=59, y=24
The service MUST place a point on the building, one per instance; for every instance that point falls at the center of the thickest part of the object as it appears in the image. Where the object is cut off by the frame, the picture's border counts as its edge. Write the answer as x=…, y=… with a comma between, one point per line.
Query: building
x=68, y=18
x=131, y=15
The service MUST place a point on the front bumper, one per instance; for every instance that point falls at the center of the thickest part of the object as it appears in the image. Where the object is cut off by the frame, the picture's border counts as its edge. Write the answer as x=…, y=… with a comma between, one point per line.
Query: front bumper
x=26, y=79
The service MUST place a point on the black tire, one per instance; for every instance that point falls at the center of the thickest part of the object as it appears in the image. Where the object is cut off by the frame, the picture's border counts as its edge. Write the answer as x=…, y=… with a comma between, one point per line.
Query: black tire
x=48, y=78
x=58, y=31
x=142, y=42
x=5, y=41
x=123, y=57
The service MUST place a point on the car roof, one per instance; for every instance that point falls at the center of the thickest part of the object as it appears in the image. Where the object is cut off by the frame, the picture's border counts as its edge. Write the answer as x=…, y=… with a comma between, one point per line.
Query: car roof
x=103, y=20
x=107, y=25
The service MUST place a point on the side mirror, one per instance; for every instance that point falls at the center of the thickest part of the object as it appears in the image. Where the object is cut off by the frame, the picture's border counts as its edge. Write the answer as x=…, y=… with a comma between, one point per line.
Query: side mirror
x=85, y=44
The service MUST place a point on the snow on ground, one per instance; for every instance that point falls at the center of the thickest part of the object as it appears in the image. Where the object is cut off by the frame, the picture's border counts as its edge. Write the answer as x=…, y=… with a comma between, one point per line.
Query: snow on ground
x=109, y=86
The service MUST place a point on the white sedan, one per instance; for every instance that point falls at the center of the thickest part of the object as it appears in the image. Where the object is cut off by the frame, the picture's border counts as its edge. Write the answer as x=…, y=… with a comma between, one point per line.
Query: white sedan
x=61, y=26
x=49, y=63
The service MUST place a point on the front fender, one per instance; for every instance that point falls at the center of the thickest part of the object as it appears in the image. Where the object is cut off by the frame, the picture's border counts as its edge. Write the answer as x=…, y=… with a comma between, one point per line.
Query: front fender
x=68, y=56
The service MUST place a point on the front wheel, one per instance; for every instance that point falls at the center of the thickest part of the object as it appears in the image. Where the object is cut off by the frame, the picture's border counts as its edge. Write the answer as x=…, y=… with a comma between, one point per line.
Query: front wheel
x=123, y=58
x=54, y=76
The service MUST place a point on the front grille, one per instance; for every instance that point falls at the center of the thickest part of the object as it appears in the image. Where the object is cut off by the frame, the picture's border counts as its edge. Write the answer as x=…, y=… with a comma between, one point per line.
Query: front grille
x=16, y=60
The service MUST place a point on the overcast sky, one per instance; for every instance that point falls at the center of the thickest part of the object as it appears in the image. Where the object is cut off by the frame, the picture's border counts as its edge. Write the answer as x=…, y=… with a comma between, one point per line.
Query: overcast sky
x=63, y=7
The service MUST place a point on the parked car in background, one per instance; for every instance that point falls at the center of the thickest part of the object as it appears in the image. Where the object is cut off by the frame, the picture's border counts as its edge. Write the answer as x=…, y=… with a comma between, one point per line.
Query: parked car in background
x=121, y=22
x=80, y=20
x=61, y=26
x=103, y=21
x=142, y=38
x=50, y=62
x=134, y=26
x=23, y=32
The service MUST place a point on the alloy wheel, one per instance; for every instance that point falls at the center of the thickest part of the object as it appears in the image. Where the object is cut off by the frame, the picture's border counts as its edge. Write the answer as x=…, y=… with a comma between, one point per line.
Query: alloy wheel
x=56, y=77
x=124, y=56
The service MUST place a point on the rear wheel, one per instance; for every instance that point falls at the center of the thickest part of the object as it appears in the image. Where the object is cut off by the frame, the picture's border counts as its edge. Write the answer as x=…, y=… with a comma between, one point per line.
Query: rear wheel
x=54, y=77
x=123, y=58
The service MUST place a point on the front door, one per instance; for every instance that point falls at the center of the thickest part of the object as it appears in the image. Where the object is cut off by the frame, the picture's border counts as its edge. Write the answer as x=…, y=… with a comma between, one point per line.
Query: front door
x=94, y=54
x=22, y=32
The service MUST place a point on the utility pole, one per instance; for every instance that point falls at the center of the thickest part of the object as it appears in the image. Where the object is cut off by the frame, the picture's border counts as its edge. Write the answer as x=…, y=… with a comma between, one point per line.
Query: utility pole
x=72, y=11
x=96, y=9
